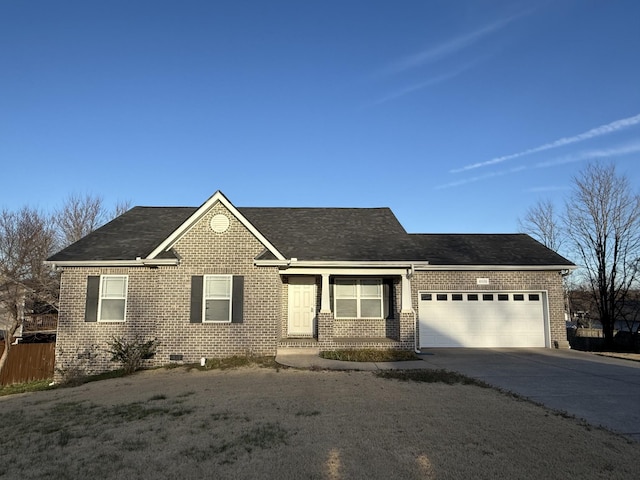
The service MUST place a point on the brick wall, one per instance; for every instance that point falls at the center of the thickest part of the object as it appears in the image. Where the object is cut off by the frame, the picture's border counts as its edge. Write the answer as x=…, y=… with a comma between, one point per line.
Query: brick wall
x=158, y=304
x=395, y=332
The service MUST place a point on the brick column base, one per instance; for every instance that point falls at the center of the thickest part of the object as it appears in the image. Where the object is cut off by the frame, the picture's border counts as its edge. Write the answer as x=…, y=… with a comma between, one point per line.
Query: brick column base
x=325, y=330
x=408, y=330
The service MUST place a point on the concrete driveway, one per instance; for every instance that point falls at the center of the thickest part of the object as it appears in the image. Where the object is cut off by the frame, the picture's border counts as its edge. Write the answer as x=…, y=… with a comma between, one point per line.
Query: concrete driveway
x=601, y=390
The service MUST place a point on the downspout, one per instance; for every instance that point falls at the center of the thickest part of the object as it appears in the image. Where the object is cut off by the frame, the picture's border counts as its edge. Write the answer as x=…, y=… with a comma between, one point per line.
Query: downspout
x=416, y=349
x=415, y=331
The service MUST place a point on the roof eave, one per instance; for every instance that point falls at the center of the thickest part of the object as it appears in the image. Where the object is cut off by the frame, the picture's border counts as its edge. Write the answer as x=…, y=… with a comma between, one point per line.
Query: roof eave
x=335, y=263
x=497, y=267
x=138, y=262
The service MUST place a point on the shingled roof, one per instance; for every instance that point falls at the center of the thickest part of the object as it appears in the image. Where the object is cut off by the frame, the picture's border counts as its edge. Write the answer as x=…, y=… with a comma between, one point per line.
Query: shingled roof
x=498, y=249
x=316, y=234
x=332, y=234
x=131, y=235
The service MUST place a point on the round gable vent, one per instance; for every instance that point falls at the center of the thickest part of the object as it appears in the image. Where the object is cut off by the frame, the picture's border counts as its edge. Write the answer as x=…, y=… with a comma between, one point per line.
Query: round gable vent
x=219, y=223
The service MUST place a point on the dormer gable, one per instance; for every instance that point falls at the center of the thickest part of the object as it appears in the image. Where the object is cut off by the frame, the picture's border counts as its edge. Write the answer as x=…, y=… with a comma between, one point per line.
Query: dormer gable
x=217, y=223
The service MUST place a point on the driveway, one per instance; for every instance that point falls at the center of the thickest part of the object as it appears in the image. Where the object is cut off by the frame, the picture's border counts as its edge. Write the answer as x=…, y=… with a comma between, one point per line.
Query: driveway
x=601, y=390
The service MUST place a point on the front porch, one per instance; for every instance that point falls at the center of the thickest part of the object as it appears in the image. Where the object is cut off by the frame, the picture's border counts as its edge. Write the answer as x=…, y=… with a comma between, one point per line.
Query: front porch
x=348, y=309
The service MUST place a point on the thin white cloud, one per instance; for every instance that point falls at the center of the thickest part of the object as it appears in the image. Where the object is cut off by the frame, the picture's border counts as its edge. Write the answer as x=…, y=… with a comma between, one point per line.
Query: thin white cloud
x=478, y=178
x=588, y=135
x=578, y=157
x=591, y=155
x=448, y=47
x=428, y=83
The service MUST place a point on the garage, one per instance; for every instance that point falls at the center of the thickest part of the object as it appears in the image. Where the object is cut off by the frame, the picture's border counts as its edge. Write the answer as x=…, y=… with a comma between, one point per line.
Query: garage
x=482, y=319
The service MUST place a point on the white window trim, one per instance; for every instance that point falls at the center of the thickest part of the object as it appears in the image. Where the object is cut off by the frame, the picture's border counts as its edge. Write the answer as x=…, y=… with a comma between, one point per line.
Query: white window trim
x=205, y=298
x=101, y=298
x=358, y=298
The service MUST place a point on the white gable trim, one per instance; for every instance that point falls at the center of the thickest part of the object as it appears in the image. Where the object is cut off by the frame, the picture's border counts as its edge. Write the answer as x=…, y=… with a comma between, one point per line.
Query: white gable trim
x=217, y=197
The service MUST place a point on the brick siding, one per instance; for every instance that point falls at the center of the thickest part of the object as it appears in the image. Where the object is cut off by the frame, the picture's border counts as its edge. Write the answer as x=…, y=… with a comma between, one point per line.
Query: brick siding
x=158, y=304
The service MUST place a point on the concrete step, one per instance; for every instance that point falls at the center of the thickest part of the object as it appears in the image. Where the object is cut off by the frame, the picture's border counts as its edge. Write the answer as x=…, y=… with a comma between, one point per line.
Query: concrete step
x=311, y=351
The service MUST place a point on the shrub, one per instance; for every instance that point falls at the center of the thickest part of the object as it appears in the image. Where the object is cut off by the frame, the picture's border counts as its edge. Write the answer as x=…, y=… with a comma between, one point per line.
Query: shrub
x=132, y=353
x=369, y=355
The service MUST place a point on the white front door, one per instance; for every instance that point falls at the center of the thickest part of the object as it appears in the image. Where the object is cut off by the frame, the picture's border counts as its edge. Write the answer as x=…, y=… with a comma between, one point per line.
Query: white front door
x=302, y=306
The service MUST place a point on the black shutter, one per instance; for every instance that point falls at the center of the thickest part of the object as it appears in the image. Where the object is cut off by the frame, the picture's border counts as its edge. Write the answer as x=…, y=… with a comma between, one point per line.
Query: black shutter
x=196, y=299
x=237, y=299
x=91, y=306
x=387, y=298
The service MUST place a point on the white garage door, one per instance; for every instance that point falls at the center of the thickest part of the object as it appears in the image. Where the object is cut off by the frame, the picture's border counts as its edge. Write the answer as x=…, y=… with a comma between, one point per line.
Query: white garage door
x=481, y=319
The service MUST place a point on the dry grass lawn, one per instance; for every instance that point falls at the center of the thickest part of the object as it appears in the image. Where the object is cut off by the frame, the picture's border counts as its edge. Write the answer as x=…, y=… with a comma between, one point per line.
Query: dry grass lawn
x=290, y=424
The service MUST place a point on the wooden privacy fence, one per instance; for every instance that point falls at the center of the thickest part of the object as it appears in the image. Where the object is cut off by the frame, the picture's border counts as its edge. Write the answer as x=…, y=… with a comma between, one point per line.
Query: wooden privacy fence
x=28, y=362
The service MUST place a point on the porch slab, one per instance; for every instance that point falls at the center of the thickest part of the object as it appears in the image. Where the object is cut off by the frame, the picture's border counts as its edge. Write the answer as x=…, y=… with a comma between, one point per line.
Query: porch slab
x=299, y=351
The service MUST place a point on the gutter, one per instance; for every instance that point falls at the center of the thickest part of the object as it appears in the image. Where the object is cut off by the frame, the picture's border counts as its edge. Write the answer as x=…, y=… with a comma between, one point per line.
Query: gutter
x=294, y=262
x=412, y=266
x=495, y=267
x=138, y=262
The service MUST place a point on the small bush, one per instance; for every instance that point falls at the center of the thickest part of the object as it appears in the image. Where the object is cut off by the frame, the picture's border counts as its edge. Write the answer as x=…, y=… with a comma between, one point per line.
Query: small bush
x=369, y=355
x=238, y=361
x=132, y=353
x=74, y=372
x=431, y=376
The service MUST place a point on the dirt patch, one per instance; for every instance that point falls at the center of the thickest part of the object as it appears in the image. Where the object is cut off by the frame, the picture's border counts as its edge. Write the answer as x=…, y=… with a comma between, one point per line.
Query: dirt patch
x=625, y=356
x=263, y=423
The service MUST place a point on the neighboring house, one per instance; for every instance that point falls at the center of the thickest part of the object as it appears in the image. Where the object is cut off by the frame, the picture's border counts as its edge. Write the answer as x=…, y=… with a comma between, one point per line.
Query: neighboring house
x=220, y=280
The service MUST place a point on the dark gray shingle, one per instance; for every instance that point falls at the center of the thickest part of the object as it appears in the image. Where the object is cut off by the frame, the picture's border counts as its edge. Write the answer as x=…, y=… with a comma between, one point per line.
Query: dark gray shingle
x=321, y=234
x=485, y=249
x=136, y=233
x=331, y=234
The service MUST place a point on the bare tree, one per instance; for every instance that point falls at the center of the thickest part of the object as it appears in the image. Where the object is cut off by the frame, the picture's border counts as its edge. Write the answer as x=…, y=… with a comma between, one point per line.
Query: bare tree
x=603, y=224
x=27, y=238
x=81, y=215
x=121, y=207
x=543, y=224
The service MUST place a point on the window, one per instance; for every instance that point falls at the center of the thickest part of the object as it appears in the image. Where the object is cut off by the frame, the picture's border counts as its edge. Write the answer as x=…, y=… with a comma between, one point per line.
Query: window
x=534, y=297
x=503, y=297
x=358, y=298
x=487, y=297
x=456, y=297
x=441, y=297
x=472, y=297
x=518, y=297
x=112, y=298
x=217, y=298
x=425, y=297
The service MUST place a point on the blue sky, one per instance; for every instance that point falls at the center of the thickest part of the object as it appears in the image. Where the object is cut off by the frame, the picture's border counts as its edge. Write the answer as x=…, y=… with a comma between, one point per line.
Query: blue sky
x=457, y=114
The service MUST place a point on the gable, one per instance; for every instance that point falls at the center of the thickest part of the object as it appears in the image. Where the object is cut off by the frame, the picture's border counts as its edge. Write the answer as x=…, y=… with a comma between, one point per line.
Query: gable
x=200, y=214
x=207, y=245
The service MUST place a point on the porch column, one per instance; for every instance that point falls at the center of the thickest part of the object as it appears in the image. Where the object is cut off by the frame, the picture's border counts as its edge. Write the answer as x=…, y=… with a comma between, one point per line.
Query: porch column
x=325, y=299
x=406, y=294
